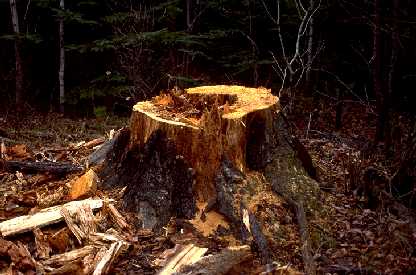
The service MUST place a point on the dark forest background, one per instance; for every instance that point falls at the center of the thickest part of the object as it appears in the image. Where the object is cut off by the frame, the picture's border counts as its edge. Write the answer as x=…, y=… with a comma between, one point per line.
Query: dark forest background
x=118, y=52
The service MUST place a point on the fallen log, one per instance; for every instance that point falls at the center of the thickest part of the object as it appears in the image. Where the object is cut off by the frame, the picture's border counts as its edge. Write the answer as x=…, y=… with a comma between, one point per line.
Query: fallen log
x=41, y=167
x=44, y=217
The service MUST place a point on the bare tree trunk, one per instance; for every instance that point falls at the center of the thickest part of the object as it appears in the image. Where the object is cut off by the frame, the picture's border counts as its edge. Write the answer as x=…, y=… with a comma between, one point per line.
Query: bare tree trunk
x=393, y=59
x=188, y=14
x=19, y=70
x=61, y=61
x=310, y=48
x=377, y=79
x=189, y=29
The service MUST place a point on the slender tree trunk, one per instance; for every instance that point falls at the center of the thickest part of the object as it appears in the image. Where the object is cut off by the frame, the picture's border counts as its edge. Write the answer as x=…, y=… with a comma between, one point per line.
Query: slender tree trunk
x=393, y=59
x=377, y=80
x=189, y=29
x=19, y=69
x=61, y=61
x=188, y=14
x=310, y=48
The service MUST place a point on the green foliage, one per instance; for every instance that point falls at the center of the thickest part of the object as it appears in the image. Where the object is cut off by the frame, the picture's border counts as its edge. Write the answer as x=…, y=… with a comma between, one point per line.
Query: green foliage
x=23, y=37
x=72, y=17
x=100, y=111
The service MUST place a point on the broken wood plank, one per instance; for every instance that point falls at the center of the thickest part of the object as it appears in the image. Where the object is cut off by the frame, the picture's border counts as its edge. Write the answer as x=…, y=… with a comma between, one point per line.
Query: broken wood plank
x=100, y=238
x=188, y=255
x=104, y=264
x=219, y=263
x=41, y=166
x=116, y=216
x=80, y=221
x=71, y=256
x=91, y=261
x=44, y=217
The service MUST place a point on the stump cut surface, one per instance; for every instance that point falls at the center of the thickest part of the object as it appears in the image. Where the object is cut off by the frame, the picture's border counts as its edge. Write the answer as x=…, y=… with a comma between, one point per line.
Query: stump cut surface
x=206, y=124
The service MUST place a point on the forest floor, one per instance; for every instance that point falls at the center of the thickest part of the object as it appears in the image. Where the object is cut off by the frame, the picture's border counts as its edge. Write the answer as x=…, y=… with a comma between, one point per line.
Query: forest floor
x=352, y=239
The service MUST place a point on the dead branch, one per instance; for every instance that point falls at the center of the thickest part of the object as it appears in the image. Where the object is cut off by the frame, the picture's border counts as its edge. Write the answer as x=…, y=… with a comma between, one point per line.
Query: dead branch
x=44, y=217
x=41, y=167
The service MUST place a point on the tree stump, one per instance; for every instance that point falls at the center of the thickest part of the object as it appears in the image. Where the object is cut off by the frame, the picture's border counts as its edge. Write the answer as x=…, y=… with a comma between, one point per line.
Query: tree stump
x=222, y=148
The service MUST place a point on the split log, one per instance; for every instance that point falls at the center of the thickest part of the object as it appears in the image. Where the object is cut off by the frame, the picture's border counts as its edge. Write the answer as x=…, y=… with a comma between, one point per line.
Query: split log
x=108, y=258
x=220, y=263
x=228, y=148
x=80, y=221
x=44, y=217
x=185, y=256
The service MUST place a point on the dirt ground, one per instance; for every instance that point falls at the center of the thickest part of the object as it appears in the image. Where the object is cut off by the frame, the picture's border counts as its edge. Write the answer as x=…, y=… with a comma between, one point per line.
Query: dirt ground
x=351, y=239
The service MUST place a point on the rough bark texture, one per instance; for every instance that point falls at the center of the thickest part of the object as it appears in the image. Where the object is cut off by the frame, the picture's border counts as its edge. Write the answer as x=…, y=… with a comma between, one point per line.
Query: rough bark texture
x=228, y=148
x=61, y=73
x=18, y=59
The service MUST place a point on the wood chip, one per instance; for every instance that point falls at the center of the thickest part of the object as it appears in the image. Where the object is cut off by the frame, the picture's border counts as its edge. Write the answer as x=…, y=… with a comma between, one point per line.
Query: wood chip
x=84, y=186
x=42, y=246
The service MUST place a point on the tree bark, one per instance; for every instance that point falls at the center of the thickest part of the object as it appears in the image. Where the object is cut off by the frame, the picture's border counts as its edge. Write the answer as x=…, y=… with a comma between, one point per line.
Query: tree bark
x=394, y=37
x=214, y=151
x=377, y=73
x=61, y=60
x=18, y=60
x=310, y=46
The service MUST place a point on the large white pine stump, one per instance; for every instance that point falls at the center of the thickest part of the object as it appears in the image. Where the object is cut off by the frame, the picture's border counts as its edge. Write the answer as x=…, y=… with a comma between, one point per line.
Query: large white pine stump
x=226, y=149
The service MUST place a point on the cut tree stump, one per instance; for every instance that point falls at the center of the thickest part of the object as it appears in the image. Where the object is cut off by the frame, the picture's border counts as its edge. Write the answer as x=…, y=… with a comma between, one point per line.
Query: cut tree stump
x=228, y=148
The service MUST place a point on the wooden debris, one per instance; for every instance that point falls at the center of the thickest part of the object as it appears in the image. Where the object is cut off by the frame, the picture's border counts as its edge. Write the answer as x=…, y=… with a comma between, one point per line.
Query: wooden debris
x=42, y=246
x=84, y=186
x=70, y=257
x=310, y=266
x=102, y=238
x=81, y=221
x=94, y=142
x=47, y=199
x=104, y=265
x=69, y=268
x=44, y=217
x=106, y=149
x=18, y=254
x=41, y=167
x=116, y=216
x=219, y=263
x=18, y=151
x=3, y=150
x=59, y=241
x=90, y=262
x=187, y=255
